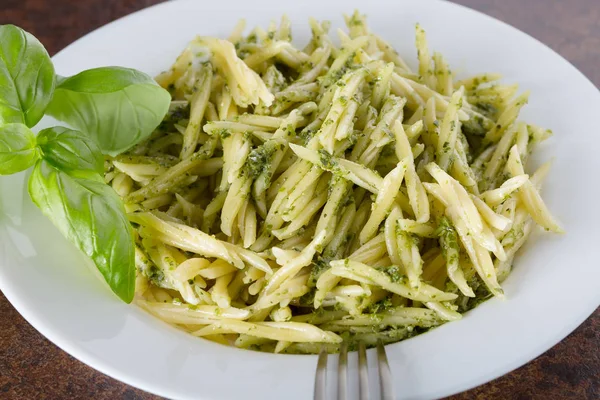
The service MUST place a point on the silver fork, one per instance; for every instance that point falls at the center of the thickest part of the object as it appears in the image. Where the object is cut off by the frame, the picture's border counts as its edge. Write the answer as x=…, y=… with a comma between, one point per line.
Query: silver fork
x=385, y=375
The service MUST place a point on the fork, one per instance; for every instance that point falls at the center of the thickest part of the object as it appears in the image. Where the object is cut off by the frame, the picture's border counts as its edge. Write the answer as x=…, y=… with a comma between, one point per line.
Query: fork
x=385, y=375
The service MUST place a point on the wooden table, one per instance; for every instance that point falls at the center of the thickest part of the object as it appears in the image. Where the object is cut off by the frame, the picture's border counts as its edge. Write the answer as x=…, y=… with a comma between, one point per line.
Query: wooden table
x=33, y=368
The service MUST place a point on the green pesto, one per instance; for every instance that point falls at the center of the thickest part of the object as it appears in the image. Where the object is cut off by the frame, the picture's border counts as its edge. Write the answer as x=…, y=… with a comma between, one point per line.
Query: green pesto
x=319, y=265
x=448, y=238
x=487, y=109
x=259, y=159
x=474, y=126
x=394, y=273
x=380, y=306
x=224, y=133
x=308, y=298
x=335, y=76
x=173, y=117
x=327, y=161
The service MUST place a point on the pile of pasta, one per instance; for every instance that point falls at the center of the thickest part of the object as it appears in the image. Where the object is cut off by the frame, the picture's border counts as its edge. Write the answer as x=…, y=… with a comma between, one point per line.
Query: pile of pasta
x=299, y=198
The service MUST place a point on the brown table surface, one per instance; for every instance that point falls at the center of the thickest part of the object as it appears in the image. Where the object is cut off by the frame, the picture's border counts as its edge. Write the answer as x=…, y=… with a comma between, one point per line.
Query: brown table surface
x=33, y=368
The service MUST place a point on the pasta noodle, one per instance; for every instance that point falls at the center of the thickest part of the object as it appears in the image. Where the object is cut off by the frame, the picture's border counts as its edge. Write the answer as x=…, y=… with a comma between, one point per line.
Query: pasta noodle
x=294, y=198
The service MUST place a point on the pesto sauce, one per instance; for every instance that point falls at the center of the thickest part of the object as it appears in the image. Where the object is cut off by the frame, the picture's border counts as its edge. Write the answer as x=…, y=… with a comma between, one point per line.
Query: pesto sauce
x=259, y=159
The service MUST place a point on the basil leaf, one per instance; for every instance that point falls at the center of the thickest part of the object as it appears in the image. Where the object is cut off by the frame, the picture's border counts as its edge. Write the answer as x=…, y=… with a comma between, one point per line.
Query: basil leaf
x=90, y=214
x=18, y=150
x=70, y=150
x=26, y=77
x=119, y=107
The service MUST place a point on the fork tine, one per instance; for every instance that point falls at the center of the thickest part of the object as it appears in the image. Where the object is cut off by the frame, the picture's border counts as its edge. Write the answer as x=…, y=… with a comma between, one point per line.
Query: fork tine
x=342, y=375
x=363, y=374
x=321, y=376
x=385, y=374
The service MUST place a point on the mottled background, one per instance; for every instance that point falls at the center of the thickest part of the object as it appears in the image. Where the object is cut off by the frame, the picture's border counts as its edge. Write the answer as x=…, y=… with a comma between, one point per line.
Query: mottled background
x=33, y=368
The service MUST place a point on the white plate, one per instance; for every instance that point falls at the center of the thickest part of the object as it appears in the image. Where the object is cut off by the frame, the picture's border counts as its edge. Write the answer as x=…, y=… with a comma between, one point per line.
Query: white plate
x=554, y=287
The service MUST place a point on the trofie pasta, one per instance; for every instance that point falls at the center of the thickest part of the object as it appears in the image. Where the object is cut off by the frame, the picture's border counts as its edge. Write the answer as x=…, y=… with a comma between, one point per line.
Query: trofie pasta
x=295, y=198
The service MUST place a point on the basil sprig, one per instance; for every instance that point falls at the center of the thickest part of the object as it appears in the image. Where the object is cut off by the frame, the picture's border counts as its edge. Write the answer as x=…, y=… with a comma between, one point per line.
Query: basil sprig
x=70, y=150
x=91, y=215
x=18, y=149
x=118, y=107
x=26, y=77
x=111, y=109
